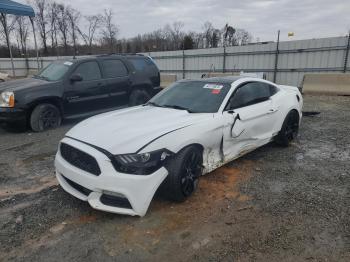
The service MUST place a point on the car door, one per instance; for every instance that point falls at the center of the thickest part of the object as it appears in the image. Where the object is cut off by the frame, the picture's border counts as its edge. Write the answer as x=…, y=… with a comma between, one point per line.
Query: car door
x=249, y=119
x=117, y=79
x=85, y=91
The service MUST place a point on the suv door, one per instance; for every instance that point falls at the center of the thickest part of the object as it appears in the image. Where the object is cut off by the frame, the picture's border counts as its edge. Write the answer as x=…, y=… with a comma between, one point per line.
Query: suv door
x=249, y=118
x=117, y=79
x=89, y=93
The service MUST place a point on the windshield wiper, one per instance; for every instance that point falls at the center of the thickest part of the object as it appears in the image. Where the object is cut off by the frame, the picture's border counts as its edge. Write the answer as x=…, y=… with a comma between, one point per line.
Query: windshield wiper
x=179, y=107
x=41, y=77
x=152, y=104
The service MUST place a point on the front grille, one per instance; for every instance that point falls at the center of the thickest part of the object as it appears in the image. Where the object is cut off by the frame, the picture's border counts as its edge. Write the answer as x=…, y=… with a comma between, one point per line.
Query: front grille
x=78, y=187
x=115, y=201
x=80, y=159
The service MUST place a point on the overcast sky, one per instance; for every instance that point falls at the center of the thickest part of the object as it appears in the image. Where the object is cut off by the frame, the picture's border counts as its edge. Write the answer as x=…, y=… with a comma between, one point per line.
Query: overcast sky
x=262, y=18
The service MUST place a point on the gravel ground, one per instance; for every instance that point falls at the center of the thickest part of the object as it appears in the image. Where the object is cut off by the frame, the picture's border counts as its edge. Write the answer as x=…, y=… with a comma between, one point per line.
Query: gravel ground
x=274, y=204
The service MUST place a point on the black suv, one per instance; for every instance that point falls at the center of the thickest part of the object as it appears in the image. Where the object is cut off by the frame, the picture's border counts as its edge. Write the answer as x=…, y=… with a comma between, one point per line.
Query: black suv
x=78, y=88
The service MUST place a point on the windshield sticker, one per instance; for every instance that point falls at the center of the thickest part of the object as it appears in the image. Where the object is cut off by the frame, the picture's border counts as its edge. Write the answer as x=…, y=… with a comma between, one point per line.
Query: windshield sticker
x=213, y=86
x=68, y=63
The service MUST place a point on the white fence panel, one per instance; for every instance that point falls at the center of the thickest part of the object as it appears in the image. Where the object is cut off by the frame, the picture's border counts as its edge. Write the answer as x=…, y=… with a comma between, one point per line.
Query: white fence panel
x=294, y=59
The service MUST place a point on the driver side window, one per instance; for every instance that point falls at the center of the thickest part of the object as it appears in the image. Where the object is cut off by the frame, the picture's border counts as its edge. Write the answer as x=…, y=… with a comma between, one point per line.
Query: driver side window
x=249, y=94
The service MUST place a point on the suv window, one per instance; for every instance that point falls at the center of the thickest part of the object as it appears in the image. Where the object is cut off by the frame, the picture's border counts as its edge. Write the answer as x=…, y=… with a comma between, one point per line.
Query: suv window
x=141, y=64
x=249, y=94
x=114, y=68
x=88, y=71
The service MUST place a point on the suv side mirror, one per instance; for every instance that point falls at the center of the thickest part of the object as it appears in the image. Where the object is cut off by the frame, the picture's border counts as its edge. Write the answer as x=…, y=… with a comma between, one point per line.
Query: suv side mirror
x=76, y=78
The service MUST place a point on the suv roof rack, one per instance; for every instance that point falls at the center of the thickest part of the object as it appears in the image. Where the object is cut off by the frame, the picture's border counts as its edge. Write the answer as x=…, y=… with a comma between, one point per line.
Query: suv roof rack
x=121, y=54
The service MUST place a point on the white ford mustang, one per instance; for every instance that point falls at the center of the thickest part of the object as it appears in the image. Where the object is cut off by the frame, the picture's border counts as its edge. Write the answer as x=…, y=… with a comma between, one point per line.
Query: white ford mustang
x=118, y=160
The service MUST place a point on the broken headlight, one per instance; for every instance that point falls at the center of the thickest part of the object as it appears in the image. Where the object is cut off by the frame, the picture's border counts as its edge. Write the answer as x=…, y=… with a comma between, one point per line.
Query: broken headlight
x=141, y=164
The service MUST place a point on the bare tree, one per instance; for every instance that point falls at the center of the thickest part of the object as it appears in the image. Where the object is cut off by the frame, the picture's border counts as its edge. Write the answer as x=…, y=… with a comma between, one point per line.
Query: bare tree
x=109, y=30
x=62, y=22
x=73, y=18
x=178, y=34
x=7, y=28
x=53, y=18
x=21, y=28
x=93, y=22
x=208, y=29
x=229, y=32
x=41, y=20
x=242, y=37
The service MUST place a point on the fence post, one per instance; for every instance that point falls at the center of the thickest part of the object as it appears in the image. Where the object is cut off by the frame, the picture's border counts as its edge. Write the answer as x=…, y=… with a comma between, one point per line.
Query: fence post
x=276, y=57
x=183, y=64
x=346, y=54
x=27, y=65
x=224, y=61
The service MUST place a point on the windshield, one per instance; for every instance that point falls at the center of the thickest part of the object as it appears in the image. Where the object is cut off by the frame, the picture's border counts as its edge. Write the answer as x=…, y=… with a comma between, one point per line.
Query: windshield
x=193, y=96
x=54, y=71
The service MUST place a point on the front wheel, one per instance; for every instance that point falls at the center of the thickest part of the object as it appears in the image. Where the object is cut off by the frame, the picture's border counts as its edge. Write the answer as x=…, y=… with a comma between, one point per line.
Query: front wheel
x=184, y=171
x=289, y=130
x=44, y=117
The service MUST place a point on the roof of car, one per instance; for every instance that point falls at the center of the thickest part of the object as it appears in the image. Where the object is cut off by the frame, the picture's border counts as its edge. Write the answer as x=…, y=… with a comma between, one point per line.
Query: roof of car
x=223, y=79
x=80, y=58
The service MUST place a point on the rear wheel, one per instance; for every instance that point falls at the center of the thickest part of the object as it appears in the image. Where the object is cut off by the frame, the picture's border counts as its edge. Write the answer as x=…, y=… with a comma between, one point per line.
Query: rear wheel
x=44, y=117
x=289, y=130
x=184, y=171
x=139, y=97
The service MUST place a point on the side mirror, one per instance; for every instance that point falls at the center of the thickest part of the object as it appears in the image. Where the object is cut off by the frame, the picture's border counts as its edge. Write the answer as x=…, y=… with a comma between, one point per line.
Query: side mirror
x=232, y=112
x=76, y=78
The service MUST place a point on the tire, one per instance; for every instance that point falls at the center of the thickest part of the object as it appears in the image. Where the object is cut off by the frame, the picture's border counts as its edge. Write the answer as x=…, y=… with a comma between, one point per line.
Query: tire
x=289, y=130
x=44, y=117
x=139, y=97
x=184, y=172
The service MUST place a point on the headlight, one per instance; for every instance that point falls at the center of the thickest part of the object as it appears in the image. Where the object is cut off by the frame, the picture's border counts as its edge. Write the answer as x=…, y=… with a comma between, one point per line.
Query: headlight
x=7, y=99
x=141, y=164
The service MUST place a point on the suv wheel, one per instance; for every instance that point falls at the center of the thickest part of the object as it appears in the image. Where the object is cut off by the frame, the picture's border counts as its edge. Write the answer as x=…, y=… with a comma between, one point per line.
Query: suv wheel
x=139, y=97
x=45, y=116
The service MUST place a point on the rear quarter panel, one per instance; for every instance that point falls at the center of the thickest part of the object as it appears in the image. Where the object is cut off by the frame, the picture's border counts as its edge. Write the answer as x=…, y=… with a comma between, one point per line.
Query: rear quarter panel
x=287, y=99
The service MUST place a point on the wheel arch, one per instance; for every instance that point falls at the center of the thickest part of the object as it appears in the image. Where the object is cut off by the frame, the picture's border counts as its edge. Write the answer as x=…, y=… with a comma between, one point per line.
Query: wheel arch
x=56, y=101
x=197, y=145
x=292, y=109
x=143, y=86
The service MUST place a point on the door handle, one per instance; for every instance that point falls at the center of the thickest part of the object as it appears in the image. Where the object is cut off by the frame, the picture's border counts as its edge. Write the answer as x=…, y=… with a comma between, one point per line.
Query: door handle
x=272, y=110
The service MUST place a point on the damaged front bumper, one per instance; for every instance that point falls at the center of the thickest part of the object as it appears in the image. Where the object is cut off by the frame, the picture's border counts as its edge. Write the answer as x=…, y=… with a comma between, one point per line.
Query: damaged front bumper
x=109, y=191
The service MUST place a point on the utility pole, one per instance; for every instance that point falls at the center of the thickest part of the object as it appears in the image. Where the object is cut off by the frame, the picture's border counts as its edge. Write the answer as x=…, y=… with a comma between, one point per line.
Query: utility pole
x=276, y=57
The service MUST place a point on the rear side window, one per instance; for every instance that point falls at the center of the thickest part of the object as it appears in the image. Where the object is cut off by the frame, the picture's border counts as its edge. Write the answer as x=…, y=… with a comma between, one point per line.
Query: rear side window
x=249, y=94
x=114, y=68
x=141, y=64
x=88, y=71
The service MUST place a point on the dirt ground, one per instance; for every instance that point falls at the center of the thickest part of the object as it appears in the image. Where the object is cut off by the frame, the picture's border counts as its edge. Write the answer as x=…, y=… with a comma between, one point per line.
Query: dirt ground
x=274, y=204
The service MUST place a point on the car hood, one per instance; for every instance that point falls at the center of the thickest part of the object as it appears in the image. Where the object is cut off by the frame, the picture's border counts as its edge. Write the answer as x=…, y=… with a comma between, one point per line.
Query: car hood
x=17, y=85
x=129, y=130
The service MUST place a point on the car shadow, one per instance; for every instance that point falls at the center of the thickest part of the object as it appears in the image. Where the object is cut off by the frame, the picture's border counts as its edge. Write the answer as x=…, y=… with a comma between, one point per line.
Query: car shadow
x=23, y=128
